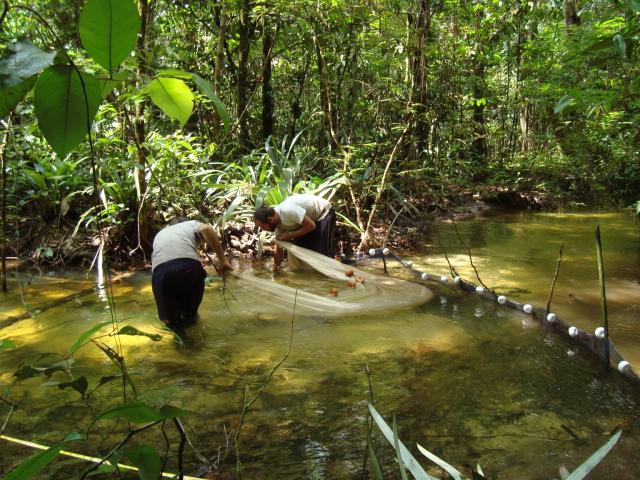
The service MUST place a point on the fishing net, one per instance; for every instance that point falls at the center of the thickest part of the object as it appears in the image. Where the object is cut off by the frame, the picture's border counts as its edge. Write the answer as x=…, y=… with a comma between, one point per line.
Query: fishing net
x=346, y=291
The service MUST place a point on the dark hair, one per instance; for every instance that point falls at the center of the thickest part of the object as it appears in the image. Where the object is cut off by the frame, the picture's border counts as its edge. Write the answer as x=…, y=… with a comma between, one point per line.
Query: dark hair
x=263, y=213
x=178, y=219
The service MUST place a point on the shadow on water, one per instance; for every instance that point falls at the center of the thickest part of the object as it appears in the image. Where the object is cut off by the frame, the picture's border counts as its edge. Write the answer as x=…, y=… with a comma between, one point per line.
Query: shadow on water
x=467, y=379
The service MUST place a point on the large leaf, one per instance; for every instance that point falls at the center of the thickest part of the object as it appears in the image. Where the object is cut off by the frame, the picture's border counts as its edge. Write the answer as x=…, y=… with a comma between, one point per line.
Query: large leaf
x=139, y=412
x=173, y=97
x=109, y=30
x=634, y=5
x=10, y=96
x=563, y=103
x=5, y=344
x=207, y=90
x=619, y=45
x=146, y=458
x=80, y=385
x=408, y=459
x=37, y=462
x=24, y=61
x=583, y=470
x=64, y=112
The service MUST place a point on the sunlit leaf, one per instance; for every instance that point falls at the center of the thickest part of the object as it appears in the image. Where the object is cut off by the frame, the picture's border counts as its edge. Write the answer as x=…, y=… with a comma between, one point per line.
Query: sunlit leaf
x=563, y=103
x=173, y=97
x=396, y=445
x=146, y=458
x=85, y=336
x=583, y=470
x=109, y=30
x=24, y=61
x=34, y=464
x=175, y=74
x=409, y=460
x=207, y=90
x=64, y=113
x=455, y=474
x=129, y=330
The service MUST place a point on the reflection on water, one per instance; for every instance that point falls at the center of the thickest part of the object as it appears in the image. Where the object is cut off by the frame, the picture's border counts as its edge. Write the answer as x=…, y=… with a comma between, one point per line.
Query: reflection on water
x=469, y=380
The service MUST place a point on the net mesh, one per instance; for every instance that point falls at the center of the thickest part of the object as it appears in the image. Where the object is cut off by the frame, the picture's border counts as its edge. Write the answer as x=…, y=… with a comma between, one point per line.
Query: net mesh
x=351, y=291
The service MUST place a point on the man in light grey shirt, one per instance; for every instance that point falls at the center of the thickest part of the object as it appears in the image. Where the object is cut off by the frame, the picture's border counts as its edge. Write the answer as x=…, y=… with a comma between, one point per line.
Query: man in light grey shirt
x=177, y=275
x=306, y=220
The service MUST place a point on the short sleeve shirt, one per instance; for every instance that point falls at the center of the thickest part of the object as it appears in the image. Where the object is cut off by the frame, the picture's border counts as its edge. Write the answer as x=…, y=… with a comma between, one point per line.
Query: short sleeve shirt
x=175, y=241
x=294, y=208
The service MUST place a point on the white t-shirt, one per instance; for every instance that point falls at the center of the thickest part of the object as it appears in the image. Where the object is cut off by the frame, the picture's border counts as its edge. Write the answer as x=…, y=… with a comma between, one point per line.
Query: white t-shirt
x=175, y=241
x=295, y=207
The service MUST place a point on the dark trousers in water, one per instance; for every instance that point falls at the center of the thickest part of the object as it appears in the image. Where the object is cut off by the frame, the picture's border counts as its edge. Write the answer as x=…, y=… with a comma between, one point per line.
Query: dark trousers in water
x=178, y=286
x=321, y=239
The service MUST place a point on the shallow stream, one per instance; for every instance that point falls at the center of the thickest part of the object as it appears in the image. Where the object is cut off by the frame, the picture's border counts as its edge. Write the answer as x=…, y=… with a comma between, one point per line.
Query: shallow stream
x=467, y=379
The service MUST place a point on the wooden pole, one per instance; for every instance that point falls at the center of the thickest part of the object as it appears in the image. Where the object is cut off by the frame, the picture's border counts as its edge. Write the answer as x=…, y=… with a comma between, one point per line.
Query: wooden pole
x=553, y=282
x=603, y=297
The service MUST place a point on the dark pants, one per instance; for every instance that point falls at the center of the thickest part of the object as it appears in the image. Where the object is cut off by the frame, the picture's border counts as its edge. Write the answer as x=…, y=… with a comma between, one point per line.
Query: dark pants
x=178, y=286
x=321, y=239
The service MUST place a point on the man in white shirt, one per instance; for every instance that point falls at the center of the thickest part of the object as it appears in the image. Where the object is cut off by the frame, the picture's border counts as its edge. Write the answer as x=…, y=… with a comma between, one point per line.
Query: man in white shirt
x=305, y=220
x=177, y=275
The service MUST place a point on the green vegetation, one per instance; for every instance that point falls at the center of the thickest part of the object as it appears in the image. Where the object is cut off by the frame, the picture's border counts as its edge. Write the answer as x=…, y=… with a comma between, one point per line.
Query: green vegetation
x=394, y=103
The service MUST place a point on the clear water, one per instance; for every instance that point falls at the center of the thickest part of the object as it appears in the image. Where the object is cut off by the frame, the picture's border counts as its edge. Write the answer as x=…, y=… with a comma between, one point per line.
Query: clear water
x=467, y=379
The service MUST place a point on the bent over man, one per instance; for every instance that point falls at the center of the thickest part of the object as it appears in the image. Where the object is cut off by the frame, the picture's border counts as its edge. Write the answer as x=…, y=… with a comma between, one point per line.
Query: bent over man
x=305, y=220
x=177, y=274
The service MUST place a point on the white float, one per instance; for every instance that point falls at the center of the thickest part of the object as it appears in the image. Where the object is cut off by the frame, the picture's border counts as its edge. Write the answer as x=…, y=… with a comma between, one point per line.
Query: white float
x=409, y=264
x=551, y=317
x=385, y=251
x=600, y=332
x=457, y=280
x=573, y=331
x=479, y=289
x=372, y=251
x=502, y=299
x=527, y=308
x=444, y=279
x=425, y=276
x=623, y=365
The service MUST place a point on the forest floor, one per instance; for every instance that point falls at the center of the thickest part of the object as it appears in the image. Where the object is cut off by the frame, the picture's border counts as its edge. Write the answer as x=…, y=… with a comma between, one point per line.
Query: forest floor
x=57, y=247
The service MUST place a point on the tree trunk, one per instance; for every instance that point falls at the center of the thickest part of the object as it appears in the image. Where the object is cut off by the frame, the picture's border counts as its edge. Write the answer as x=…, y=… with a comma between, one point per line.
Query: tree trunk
x=479, y=143
x=571, y=13
x=296, y=109
x=268, y=40
x=327, y=131
x=6, y=125
x=242, y=82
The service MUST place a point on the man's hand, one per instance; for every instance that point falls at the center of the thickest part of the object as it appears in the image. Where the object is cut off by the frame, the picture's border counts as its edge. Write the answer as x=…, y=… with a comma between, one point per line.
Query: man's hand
x=224, y=267
x=284, y=237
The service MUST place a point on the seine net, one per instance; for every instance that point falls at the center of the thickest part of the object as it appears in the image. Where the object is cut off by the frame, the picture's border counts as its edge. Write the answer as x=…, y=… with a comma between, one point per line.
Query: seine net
x=352, y=291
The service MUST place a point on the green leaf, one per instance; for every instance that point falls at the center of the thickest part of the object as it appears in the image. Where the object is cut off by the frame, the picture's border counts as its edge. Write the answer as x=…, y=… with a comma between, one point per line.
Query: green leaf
x=146, y=458
x=61, y=106
x=6, y=344
x=396, y=445
x=455, y=474
x=25, y=61
x=129, y=330
x=583, y=470
x=175, y=74
x=173, y=97
x=85, y=336
x=139, y=412
x=80, y=385
x=375, y=465
x=634, y=5
x=563, y=103
x=11, y=96
x=37, y=462
x=619, y=45
x=207, y=90
x=409, y=460
x=27, y=371
x=109, y=30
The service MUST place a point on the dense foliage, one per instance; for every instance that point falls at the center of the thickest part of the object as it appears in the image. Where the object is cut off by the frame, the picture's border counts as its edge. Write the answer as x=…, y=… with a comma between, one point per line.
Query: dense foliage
x=205, y=107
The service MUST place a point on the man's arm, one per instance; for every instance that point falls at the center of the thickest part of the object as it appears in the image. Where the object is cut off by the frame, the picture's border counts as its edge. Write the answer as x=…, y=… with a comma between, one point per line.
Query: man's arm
x=277, y=257
x=212, y=239
x=307, y=226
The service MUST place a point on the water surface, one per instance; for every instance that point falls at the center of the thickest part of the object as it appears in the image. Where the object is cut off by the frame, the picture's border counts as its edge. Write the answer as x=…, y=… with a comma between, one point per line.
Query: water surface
x=467, y=379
